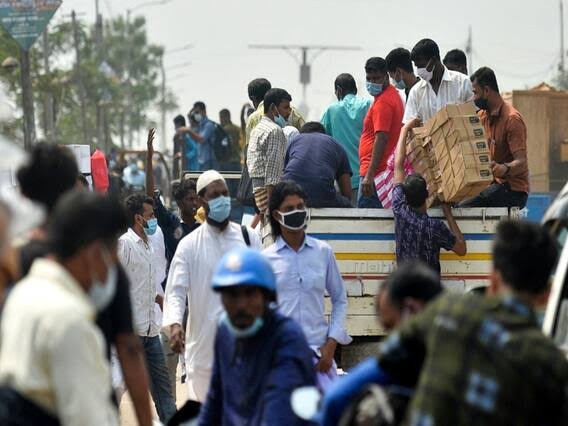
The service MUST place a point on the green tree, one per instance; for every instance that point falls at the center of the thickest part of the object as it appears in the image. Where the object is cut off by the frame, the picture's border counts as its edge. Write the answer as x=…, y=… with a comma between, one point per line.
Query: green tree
x=126, y=86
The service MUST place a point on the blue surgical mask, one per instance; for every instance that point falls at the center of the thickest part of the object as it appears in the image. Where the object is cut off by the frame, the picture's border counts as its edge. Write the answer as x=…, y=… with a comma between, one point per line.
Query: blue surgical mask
x=242, y=333
x=400, y=84
x=151, y=226
x=219, y=208
x=100, y=293
x=374, y=89
x=281, y=121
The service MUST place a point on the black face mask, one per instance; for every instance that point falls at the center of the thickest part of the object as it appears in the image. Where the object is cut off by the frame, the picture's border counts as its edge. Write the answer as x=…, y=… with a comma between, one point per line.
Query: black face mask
x=294, y=220
x=482, y=103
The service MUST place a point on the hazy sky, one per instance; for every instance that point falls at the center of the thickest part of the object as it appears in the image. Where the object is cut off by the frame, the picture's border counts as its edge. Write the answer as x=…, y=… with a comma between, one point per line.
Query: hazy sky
x=519, y=39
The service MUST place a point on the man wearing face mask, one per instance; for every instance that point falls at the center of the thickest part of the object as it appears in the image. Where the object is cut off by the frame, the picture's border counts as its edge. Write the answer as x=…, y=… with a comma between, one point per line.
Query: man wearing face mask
x=267, y=147
x=141, y=263
x=305, y=270
x=438, y=86
x=260, y=355
x=507, y=134
x=52, y=365
x=400, y=69
x=204, y=135
x=381, y=129
x=189, y=280
x=343, y=121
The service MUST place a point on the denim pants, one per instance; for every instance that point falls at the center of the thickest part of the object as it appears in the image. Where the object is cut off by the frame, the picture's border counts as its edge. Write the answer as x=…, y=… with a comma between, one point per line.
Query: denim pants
x=371, y=202
x=171, y=361
x=160, y=387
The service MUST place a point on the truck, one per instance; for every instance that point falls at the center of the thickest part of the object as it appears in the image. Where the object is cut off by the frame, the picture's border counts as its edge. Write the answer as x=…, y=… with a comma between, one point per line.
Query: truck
x=364, y=246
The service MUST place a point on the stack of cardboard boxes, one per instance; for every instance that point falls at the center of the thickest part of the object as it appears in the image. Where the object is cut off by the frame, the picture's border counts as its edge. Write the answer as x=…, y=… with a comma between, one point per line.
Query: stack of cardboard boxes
x=452, y=154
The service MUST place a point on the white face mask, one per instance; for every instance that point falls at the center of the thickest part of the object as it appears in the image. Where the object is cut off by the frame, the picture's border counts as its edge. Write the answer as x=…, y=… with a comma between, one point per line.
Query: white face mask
x=424, y=74
x=101, y=293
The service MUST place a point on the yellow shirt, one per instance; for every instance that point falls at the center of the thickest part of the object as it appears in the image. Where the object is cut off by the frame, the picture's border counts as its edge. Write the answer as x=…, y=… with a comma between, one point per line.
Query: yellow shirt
x=295, y=120
x=51, y=350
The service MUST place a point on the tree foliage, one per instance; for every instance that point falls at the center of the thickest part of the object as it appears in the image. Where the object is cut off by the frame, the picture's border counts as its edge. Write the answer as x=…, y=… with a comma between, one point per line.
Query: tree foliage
x=125, y=87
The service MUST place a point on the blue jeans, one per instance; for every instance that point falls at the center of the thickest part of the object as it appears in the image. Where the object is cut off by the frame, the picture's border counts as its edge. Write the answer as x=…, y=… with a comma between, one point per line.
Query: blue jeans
x=160, y=386
x=371, y=202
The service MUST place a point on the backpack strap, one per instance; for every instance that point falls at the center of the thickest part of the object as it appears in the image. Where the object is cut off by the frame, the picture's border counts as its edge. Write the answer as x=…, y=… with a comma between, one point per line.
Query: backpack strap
x=246, y=236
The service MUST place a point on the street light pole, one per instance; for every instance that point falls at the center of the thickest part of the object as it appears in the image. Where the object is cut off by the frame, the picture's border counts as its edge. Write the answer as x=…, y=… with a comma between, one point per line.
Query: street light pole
x=27, y=100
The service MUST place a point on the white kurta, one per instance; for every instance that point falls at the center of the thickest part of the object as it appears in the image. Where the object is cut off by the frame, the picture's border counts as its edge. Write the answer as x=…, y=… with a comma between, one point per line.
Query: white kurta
x=189, y=277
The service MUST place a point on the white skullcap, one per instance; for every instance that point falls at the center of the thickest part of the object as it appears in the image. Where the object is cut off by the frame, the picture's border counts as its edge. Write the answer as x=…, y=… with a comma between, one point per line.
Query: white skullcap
x=208, y=177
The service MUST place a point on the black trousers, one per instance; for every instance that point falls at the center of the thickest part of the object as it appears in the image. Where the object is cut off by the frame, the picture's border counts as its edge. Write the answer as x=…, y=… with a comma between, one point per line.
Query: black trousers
x=497, y=195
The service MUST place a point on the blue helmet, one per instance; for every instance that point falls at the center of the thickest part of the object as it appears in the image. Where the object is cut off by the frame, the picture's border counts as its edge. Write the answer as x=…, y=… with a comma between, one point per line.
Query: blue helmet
x=244, y=266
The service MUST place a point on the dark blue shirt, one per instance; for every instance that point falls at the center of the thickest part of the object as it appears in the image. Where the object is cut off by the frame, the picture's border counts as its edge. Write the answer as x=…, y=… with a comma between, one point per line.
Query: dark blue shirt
x=315, y=161
x=417, y=235
x=253, y=378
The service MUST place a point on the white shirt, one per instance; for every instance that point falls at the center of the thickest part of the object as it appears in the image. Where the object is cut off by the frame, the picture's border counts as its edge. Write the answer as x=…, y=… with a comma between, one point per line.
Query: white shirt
x=161, y=263
x=191, y=271
x=424, y=103
x=52, y=352
x=139, y=261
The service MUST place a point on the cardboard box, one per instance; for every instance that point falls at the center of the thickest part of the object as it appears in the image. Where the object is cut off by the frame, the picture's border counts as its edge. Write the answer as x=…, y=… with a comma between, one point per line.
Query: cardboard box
x=473, y=147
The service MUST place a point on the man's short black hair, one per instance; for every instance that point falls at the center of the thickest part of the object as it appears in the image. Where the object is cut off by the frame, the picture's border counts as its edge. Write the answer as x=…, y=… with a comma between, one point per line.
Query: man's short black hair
x=313, y=127
x=275, y=96
x=399, y=58
x=425, y=49
x=200, y=105
x=525, y=254
x=455, y=57
x=183, y=188
x=347, y=83
x=82, y=217
x=258, y=88
x=412, y=279
x=415, y=190
x=485, y=78
x=50, y=172
x=376, y=64
x=179, y=120
x=134, y=204
x=279, y=194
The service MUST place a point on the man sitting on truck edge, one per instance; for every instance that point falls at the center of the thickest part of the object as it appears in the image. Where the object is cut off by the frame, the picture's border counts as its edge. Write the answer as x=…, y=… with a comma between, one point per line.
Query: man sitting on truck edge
x=507, y=135
x=417, y=235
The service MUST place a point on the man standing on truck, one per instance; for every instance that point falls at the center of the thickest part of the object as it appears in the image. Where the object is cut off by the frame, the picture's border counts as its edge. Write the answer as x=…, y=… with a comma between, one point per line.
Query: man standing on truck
x=267, y=147
x=381, y=129
x=204, y=136
x=507, y=134
x=343, y=121
x=417, y=235
x=437, y=87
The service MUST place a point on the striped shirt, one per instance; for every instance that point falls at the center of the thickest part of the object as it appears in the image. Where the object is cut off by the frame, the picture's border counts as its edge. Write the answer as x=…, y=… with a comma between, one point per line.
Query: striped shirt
x=266, y=152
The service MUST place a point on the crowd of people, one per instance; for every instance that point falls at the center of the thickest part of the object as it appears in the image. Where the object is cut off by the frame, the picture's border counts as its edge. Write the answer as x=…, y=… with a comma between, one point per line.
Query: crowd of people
x=115, y=292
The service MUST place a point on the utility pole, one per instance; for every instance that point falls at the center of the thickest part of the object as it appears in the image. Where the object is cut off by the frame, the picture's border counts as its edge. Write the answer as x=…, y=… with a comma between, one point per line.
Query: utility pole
x=27, y=99
x=469, y=50
x=163, y=109
x=101, y=116
x=49, y=117
x=304, y=62
x=79, y=72
x=562, y=51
